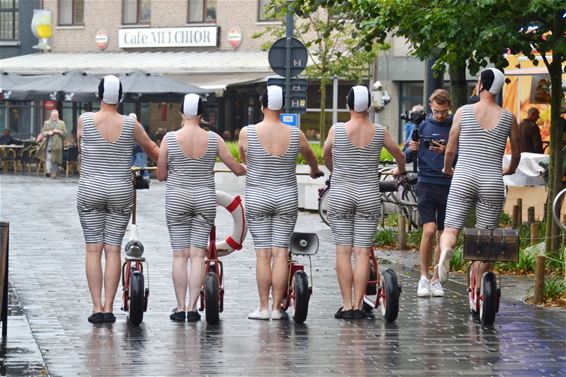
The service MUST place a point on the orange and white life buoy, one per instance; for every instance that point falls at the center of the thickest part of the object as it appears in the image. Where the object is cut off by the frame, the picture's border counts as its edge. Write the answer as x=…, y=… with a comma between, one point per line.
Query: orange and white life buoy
x=234, y=241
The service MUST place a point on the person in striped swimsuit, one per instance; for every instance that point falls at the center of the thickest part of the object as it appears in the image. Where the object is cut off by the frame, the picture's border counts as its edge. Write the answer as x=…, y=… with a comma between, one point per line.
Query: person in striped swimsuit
x=105, y=194
x=269, y=149
x=479, y=133
x=352, y=152
x=186, y=162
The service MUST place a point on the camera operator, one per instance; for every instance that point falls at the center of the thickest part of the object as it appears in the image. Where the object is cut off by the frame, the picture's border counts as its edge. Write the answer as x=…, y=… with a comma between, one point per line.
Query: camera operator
x=413, y=120
x=428, y=146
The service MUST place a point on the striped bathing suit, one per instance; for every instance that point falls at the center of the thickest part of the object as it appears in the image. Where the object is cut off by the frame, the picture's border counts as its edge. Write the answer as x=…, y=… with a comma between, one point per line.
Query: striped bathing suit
x=190, y=199
x=477, y=177
x=105, y=194
x=354, y=200
x=271, y=192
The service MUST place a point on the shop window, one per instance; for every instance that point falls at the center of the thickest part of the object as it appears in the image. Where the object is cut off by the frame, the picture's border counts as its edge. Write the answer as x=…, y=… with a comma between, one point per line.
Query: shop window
x=202, y=11
x=9, y=20
x=71, y=12
x=136, y=12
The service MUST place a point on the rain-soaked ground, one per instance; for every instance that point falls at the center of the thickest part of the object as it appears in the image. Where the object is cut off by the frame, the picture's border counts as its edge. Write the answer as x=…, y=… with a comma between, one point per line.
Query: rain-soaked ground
x=48, y=333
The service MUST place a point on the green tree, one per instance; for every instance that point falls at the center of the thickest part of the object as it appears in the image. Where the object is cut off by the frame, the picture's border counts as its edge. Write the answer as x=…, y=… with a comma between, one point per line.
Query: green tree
x=332, y=43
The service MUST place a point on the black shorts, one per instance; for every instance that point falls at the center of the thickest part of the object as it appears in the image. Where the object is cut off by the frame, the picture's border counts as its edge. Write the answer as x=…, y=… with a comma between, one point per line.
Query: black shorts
x=431, y=203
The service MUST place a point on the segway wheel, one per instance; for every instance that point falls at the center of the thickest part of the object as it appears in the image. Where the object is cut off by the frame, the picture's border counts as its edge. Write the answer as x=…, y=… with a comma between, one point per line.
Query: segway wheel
x=472, y=293
x=488, y=302
x=136, y=307
x=389, y=295
x=371, y=288
x=211, y=301
x=301, y=297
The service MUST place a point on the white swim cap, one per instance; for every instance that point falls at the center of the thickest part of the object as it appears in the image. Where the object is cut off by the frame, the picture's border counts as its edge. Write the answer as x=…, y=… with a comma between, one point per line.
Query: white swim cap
x=358, y=99
x=110, y=90
x=192, y=105
x=492, y=80
x=272, y=98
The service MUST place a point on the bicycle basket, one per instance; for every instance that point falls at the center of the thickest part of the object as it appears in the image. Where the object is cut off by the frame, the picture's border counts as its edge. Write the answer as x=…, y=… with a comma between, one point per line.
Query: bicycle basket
x=491, y=245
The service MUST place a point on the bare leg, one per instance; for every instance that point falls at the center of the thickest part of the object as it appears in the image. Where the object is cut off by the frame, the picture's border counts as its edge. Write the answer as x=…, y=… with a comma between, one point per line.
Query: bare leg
x=263, y=276
x=361, y=275
x=112, y=273
x=436, y=255
x=196, y=276
x=447, y=243
x=480, y=267
x=93, y=268
x=180, y=276
x=279, y=275
x=427, y=240
x=345, y=274
x=449, y=238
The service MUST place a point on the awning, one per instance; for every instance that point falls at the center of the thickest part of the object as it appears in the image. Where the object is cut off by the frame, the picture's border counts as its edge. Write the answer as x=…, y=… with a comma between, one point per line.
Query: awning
x=168, y=63
x=222, y=81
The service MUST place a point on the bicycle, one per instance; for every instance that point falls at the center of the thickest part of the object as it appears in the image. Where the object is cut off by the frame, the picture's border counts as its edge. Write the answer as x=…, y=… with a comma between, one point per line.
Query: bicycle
x=397, y=191
x=134, y=293
x=298, y=291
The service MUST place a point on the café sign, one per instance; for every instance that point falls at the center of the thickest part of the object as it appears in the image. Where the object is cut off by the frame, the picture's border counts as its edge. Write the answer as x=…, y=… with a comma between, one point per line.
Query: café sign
x=204, y=36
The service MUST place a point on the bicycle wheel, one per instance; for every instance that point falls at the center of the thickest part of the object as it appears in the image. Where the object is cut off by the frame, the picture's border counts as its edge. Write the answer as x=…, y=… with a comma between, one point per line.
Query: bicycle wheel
x=488, y=298
x=301, y=297
x=136, y=298
x=389, y=295
x=211, y=298
x=323, y=206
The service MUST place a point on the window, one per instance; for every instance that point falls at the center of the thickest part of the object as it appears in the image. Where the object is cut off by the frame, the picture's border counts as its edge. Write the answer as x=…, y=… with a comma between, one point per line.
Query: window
x=71, y=12
x=264, y=13
x=136, y=12
x=202, y=11
x=9, y=20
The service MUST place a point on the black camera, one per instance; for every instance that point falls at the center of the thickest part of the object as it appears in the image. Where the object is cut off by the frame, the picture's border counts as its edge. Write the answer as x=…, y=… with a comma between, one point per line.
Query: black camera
x=416, y=117
x=427, y=140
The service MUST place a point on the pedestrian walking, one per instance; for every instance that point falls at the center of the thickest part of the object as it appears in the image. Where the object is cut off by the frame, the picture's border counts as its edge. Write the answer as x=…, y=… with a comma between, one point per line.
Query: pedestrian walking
x=105, y=195
x=54, y=132
x=352, y=152
x=479, y=133
x=270, y=149
x=432, y=186
x=186, y=162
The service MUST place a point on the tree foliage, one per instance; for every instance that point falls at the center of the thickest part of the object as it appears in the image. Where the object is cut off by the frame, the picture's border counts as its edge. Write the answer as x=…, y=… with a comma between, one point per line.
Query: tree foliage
x=332, y=43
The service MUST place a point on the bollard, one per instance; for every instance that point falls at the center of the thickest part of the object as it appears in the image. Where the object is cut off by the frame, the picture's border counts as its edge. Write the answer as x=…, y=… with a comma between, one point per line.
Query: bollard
x=520, y=215
x=535, y=230
x=4, y=247
x=531, y=215
x=539, y=280
x=516, y=217
x=402, y=233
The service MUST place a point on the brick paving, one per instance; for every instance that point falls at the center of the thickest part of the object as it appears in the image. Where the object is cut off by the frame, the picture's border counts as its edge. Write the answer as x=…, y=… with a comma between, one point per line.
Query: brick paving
x=436, y=336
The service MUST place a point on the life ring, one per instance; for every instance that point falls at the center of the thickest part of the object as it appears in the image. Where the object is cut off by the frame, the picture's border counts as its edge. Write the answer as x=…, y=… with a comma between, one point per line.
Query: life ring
x=234, y=241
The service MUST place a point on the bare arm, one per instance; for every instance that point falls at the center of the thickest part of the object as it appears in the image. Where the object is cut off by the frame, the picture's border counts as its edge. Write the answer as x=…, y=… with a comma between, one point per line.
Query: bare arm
x=515, y=139
x=243, y=144
x=80, y=132
x=327, y=149
x=162, y=168
x=452, y=146
x=395, y=151
x=148, y=146
x=228, y=159
x=309, y=156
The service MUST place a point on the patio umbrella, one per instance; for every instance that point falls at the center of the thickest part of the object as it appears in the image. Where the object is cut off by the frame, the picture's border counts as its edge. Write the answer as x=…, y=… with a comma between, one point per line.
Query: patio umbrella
x=139, y=86
x=9, y=82
x=73, y=86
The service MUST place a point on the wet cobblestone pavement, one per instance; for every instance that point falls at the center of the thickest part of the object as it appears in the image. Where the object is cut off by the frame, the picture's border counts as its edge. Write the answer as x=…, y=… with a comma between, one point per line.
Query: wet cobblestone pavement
x=50, y=334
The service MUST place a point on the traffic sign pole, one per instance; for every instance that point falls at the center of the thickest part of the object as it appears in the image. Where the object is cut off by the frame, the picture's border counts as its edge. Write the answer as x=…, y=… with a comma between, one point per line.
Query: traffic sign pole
x=289, y=26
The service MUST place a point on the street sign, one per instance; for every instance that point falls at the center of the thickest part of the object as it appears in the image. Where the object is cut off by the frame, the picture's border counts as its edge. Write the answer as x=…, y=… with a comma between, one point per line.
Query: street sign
x=290, y=119
x=278, y=55
x=297, y=93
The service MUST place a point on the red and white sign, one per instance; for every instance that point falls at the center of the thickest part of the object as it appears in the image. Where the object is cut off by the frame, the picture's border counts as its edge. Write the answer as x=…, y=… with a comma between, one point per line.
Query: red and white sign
x=49, y=105
x=101, y=38
x=235, y=37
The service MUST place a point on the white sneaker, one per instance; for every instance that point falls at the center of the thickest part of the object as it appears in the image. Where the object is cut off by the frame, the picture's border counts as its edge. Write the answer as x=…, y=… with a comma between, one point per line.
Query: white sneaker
x=260, y=314
x=279, y=314
x=423, y=289
x=444, y=264
x=436, y=289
